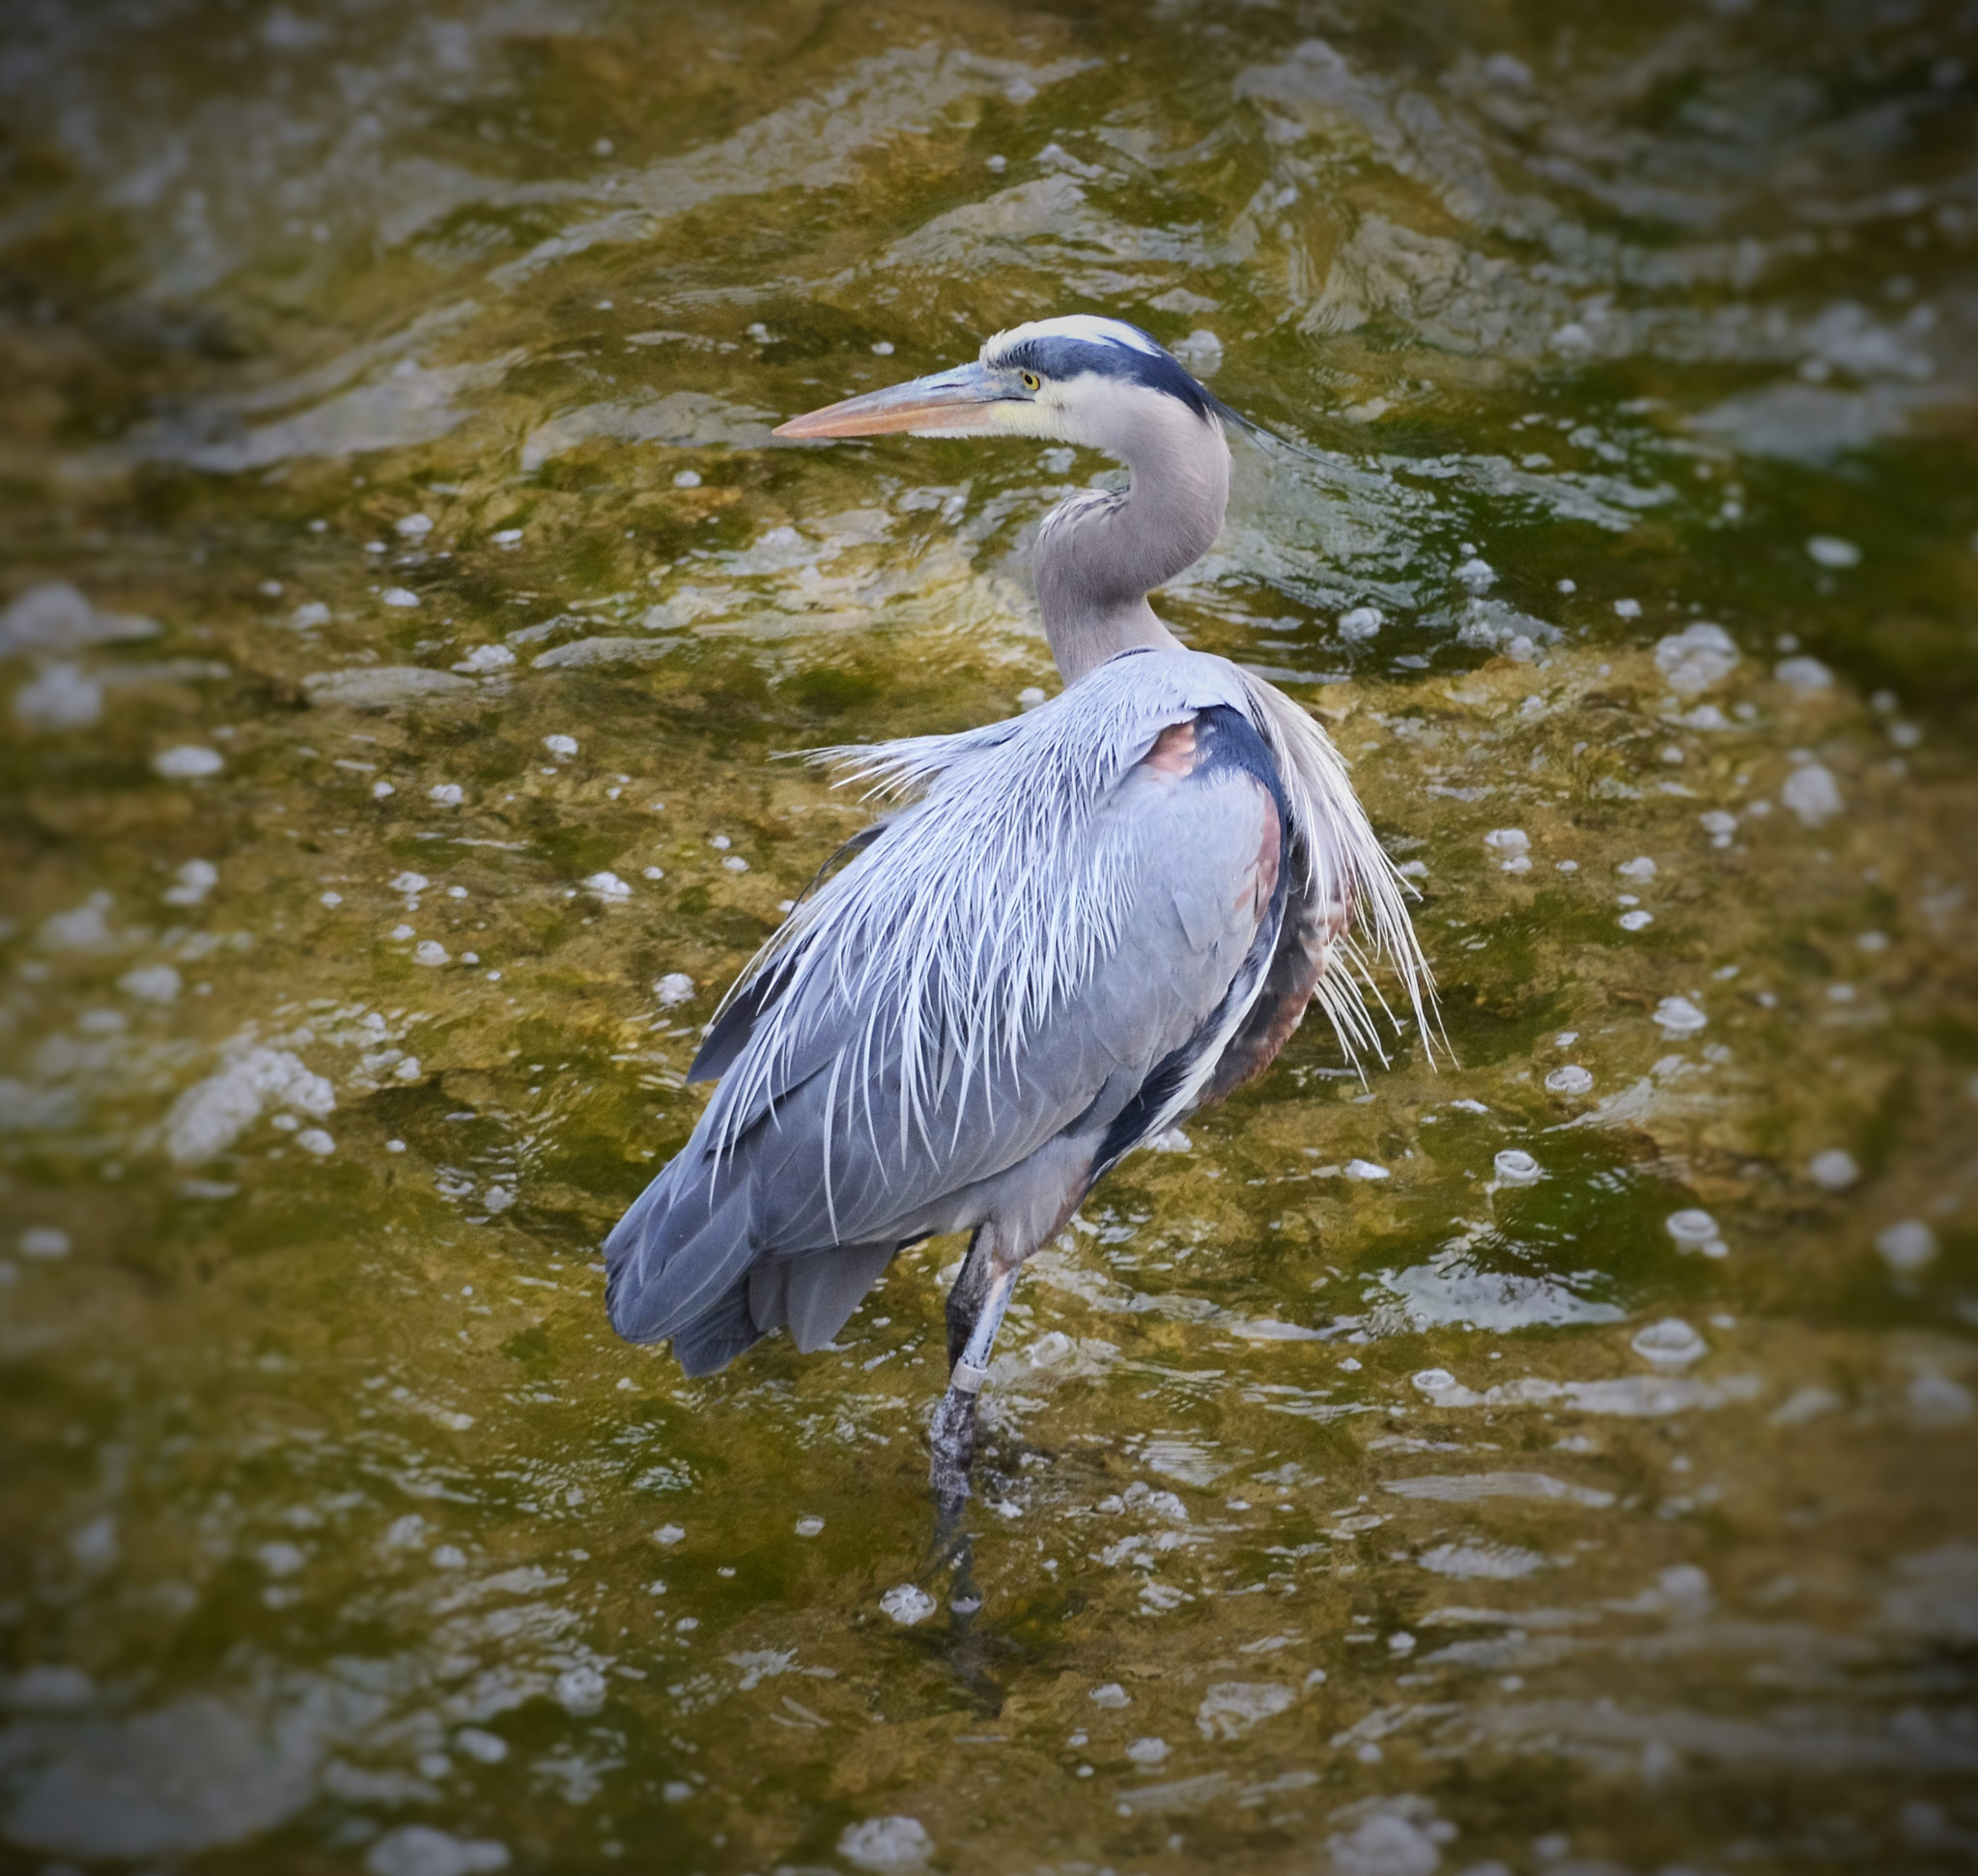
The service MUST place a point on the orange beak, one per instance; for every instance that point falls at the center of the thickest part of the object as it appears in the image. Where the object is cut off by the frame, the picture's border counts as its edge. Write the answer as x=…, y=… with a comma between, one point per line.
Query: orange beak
x=957, y=403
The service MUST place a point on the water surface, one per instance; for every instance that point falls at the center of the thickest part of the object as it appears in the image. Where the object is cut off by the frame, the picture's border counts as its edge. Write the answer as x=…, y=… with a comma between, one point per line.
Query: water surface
x=1556, y=1457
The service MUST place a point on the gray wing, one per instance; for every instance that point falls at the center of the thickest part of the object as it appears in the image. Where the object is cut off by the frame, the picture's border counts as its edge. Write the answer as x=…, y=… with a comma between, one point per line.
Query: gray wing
x=784, y=1214
x=1312, y=926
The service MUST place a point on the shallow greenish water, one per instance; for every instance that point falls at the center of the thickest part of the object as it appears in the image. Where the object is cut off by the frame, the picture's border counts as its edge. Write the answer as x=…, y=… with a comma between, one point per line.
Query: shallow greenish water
x=1394, y=1476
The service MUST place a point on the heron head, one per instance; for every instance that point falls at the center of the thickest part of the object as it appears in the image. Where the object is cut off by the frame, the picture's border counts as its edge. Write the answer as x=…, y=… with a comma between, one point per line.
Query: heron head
x=1074, y=379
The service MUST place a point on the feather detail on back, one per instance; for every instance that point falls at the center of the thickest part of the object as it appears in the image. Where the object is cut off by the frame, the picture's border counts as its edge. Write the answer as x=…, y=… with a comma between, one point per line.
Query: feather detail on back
x=957, y=965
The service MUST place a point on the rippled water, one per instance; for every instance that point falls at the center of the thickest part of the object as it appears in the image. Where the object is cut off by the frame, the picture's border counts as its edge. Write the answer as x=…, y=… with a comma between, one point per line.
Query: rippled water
x=1561, y=1459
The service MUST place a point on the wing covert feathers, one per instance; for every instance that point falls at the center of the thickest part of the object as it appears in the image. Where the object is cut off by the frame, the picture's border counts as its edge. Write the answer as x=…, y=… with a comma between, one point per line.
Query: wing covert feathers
x=1001, y=965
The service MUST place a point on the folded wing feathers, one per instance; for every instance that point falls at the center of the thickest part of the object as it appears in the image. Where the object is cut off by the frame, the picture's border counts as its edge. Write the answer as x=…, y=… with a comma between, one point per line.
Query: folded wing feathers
x=1352, y=867
x=989, y=899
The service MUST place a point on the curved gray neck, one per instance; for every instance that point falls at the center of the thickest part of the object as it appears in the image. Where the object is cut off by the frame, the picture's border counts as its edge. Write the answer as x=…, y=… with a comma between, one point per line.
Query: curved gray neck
x=1099, y=556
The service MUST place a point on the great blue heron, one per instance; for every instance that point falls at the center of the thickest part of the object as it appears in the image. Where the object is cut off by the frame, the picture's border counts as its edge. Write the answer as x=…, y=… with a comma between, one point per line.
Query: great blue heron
x=1088, y=921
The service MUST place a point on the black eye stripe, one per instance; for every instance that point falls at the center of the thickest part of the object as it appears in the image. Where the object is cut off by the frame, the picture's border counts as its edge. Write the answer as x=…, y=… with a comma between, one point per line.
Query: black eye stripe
x=1060, y=358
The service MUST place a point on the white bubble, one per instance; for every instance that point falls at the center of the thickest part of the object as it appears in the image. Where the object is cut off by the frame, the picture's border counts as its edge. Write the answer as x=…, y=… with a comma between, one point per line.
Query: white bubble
x=486, y=658
x=1572, y=1079
x=1641, y=867
x=1831, y=551
x=891, y=1847
x=675, y=987
x=686, y=479
x=412, y=526
x=1669, y=1344
x=1149, y=1751
x=560, y=744
x=448, y=794
x=1804, y=674
x=314, y=1140
x=1365, y=1169
x=399, y=596
x=1833, y=1169
x=431, y=952
x=1696, y=659
x=1363, y=622
x=152, y=983
x=1812, y=794
x=1679, y=1016
x=667, y=1535
x=809, y=1526
x=1111, y=1695
x=1517, y=1167
x=1907, y=1246
x=1691, y=1227
x=43, y=1241
x=410, y=882
x=187, y=763
x=1636, y=920
x=1477, y=574
x=581, y=1690
x=609, y=888
x=906, y=1605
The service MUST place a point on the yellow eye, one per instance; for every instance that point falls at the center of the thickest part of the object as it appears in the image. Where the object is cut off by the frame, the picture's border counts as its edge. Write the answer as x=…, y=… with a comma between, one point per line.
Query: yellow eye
x=1032, y=380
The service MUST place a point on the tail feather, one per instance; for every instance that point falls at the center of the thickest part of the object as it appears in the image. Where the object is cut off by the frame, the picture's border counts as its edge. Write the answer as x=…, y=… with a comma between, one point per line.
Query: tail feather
x=718, y=1335
x=814, y=1296
x=675, y=1255
x=681, y=1262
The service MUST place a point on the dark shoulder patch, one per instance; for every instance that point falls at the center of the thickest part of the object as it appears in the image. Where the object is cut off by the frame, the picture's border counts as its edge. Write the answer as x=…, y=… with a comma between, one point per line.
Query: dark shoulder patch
x=1227, y=739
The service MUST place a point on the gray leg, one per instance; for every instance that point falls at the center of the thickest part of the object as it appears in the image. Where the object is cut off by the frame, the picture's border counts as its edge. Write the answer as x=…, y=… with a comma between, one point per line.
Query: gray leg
x=975, y=1306
x=965, y=1299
